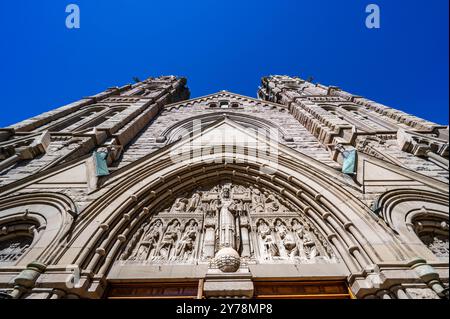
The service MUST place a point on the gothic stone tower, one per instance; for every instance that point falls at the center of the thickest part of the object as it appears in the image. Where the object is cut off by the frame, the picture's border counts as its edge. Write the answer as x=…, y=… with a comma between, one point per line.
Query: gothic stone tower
x=306, y=192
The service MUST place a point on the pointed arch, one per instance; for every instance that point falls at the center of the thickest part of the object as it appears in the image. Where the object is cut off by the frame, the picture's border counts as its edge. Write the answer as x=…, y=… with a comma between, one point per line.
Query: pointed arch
x=418, y=217
x=319, y=198
x=46, y=217
x=320, y=195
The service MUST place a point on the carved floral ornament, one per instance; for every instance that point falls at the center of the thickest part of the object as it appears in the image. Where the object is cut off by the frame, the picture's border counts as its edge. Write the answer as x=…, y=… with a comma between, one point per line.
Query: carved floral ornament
x=226, y=225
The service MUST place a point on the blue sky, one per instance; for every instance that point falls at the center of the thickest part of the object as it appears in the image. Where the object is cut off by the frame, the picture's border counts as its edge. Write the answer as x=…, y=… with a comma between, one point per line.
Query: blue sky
x=227, y=44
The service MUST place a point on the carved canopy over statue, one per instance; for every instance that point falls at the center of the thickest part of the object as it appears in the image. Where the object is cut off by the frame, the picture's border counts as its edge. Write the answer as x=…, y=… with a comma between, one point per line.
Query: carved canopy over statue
x=255, y=223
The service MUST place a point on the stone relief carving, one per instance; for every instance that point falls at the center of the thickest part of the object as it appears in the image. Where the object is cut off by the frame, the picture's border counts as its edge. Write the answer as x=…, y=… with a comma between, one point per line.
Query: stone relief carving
x=287, y=238
x=439, y=247
x=150, y=239
x=269, y=247
x=169, y=240
x=185, y=247
x=225, y=225
x=194, y=202
x=180, y=205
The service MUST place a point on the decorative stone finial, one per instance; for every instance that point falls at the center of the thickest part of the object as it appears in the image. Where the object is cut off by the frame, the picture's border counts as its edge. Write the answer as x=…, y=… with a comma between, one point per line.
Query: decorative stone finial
x=228, y=260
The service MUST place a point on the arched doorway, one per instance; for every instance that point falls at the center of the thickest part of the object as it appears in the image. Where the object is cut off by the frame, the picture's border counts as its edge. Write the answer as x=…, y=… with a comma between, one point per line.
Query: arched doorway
x=297, y=190
x=176, y=250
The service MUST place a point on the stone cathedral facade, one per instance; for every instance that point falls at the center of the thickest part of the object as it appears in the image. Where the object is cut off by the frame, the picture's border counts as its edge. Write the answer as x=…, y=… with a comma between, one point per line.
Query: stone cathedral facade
x=306, y=191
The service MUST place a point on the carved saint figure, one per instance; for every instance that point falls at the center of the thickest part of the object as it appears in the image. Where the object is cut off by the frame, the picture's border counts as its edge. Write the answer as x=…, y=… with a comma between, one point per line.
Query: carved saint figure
x=185, y=247
x=257, y=201
x=297, y=228
x=272, y=204
x=287, y=238
x=194, y=202
x=146, y=247
x=214, y=206
x=309, y=244
x=169, y=239
x=227, y=224
x=180, y=205
x=268, y=242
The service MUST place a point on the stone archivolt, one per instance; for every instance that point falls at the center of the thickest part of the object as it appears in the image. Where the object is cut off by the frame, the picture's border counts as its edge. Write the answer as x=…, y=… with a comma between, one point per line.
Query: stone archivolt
x=140, y=199
x=24, y=225
x=257, y=224
x=419, y=216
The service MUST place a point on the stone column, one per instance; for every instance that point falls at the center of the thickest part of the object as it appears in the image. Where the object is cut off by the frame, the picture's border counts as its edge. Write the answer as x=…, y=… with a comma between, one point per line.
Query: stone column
x=245, y=238
x=429, y=275
x=209, y=241
x=27, y=279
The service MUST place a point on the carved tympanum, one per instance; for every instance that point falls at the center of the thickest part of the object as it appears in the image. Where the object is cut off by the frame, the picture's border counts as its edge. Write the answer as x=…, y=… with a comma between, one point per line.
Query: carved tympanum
x=236, y=220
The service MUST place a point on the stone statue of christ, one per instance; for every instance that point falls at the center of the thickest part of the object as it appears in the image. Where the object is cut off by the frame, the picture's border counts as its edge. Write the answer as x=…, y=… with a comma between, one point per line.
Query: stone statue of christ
x=227, y=237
